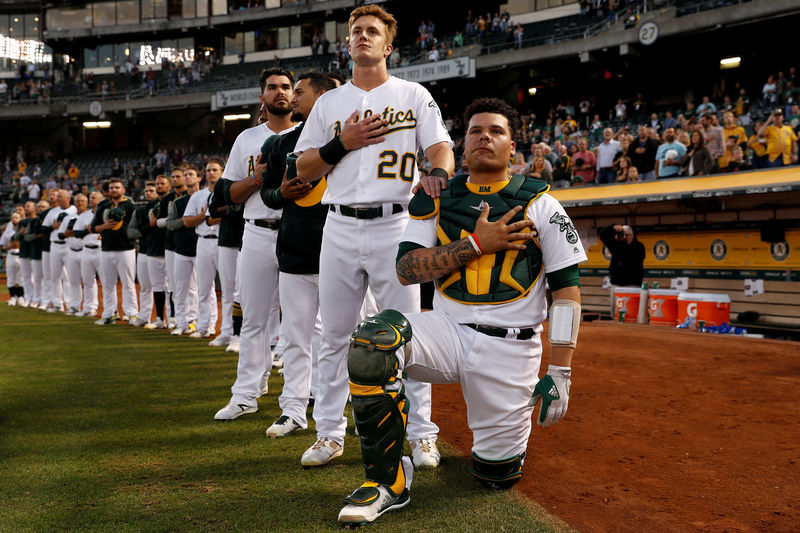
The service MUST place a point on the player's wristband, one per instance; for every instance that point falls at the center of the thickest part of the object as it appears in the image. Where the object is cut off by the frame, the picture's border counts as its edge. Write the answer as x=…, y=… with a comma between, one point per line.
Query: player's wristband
x=334, y=151
x=439, y=173
x=476, y=244
x=253, y=177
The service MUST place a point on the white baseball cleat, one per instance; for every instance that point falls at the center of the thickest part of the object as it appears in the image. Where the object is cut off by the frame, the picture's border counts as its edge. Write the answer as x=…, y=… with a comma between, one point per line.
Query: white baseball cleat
x=322, y=452
x=156, y=324
x=233, y=346
x=13, y=301
x=138, y=323
x=21, y=302
x=196, y=335
x=177, y=331
x=358, y=513
x=263, y=387
x=277, y=360
x=104, y=321
x=425, y=453
x=234, y=410
x=222, y=340
x=282, y=427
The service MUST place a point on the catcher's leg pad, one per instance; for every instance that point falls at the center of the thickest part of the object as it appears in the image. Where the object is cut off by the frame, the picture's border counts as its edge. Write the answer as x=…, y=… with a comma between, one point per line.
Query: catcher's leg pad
x=380, y=407
x=500, y=474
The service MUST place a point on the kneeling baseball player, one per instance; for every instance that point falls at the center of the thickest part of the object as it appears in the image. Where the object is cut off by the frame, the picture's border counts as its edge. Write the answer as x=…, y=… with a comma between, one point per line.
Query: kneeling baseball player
x=489, y=242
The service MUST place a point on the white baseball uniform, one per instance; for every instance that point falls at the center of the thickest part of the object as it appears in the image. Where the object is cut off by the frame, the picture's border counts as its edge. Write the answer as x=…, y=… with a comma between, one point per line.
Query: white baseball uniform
x=257, y=275
x=55, y=270
x=90, y=262
x=13, y=273
x=205, y=263
x=74, y=294
x=357, y=252
x=444, y=350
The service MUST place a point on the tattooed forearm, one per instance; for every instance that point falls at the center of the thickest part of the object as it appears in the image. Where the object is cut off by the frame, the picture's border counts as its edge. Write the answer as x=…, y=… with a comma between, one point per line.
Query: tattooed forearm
x=426, y=264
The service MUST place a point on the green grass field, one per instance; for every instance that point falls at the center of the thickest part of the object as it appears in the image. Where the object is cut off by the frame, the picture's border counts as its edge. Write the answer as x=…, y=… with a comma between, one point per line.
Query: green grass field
x=110, y=429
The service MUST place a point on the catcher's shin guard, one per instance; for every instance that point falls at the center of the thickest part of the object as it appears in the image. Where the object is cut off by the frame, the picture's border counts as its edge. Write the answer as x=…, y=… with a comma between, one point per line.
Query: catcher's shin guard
x=380, y=407
x=502, y=474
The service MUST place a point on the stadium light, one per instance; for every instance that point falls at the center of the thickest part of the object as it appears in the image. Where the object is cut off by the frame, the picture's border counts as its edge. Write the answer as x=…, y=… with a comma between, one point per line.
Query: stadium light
x=532, y=91
x=730, y=62
x=97, y=125
x=243, y=116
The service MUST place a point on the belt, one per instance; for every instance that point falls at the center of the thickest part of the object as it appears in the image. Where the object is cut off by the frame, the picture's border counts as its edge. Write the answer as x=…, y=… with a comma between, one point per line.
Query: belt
x=210, y=237
x=59, y=242
x=364, y=213
x=13, y=252
x=76, y=249
x=522, y=334
x=265, y=222
x=91, y=246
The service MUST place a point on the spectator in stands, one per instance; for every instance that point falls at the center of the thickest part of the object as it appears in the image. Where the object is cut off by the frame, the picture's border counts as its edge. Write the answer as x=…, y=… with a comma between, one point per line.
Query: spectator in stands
x=742, y=107
x=626, y=268
x=519, y=35
x=707, y=106
x=620, y=110
x=51, y=183
x=34, y=191
x=655, y=123
x=73, y=172
x=639, y=105
x=769, y=93
x=643, y=154
x=116, y=168
x=669, y=155
x=606, y=151
x=712, y=137
x=738, y=162
x=690, y=111
x=698, y=160
x=3, y=91
x=539, y=169
x=584, y=163
x=623, y=169
x=733, y=135
x=781, y=140
x=562, y=170
x=794, y=120
x=520, y=166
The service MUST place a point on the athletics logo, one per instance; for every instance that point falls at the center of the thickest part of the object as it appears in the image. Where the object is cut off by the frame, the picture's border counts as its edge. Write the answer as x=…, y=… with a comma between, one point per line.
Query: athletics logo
x=661, y=250
x=718, y=250
x=565, y=225
x=779, y=250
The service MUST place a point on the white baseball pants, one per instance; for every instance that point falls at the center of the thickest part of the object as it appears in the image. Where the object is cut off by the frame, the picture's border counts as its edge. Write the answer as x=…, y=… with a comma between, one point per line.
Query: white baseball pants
x=205, y=265
x=74, y=292
x=257, y=282
x=185, y=281
x=26, y=273
x=13, y=271
x=356, y=253
x=227, y=258
x=37, y=278
x=58, y=274
x=118, y=265
x=157, y=269
x=145, y=286
x=90, y=269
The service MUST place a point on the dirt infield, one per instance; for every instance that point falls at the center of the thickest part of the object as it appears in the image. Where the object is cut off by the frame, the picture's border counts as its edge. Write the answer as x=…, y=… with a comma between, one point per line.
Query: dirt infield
x=667, y=430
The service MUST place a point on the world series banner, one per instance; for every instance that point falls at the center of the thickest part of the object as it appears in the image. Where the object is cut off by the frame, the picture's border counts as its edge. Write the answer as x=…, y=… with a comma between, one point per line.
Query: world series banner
x=729, y=253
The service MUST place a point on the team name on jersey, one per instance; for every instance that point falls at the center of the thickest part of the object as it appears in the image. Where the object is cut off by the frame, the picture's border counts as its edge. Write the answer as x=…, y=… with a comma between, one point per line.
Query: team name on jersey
x=398, y=120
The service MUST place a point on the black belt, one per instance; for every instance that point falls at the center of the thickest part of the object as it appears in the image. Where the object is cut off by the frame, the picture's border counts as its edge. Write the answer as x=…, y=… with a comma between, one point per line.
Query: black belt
x=76, y=249
x=522, y=335
x=364, y=213
x=91, y=246
x=265, y=222
x=210, y=237
x=59, y=242
x=13, y=252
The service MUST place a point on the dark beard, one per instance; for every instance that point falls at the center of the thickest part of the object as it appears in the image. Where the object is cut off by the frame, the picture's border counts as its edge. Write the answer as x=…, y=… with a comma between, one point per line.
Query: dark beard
x=297, y=117
x=278, y=111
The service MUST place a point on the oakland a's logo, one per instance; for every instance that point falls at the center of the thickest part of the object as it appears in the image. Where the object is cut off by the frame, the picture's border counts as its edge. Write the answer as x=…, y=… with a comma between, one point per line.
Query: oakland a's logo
x=565, y=224
x=661, y=250
x=397, y=120
x=779, y=250
x=718, y=250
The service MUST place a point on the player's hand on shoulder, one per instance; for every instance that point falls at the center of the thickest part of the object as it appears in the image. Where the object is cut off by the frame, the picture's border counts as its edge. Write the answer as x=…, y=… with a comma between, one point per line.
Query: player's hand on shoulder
x=432, y=185
x=500, y=235
x=368, y=130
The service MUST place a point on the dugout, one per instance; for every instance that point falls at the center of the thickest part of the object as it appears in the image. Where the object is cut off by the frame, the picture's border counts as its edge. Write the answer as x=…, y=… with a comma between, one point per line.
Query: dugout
x=717, y=231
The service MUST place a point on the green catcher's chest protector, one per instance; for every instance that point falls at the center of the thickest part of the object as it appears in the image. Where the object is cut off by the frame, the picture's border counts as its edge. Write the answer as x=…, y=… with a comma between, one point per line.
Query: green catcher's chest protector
x=491, y=278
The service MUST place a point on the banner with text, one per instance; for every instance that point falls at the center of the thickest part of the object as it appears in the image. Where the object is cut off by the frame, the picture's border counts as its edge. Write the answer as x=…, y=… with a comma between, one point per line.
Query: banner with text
x=461, y=67
x=239, y=97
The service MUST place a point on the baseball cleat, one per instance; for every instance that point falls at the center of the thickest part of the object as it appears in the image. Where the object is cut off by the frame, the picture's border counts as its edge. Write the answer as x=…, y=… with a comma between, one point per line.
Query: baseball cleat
x=156, y=324
x=234, y=344
x=367, y=503
x=139, y=322
x=171, y=322
x=282, y=427
x=277, y=360
x=222, y=340
x=191, y=328
x=12, y=302
x=80, y=313
x=21, y=302
x=322, y=452
x=234, y=410
x=196, y=335
x=208, y=334
x=52, y=309
x=425, y=453
x=263, y=387
x=177, y=331
x=104, y=321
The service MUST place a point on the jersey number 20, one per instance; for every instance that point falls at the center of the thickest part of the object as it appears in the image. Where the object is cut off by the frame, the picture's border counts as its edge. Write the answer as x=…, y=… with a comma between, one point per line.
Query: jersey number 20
x=386, y=168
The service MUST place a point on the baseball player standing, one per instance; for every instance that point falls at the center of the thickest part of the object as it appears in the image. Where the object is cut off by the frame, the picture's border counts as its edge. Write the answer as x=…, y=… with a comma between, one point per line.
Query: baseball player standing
x=140, y=222
x=26, y=229
x=297, y=249
x=13, y=274
x=75, y=246
x=156, y=265
x=59, y=291
x=90, y=254
x=185, y=242
x=480, y=311
x=365, y=136
x=118, y=258
x=44, y=208
x=178, y=188
x=258, y=265
x=205, y=261
x=231, y=227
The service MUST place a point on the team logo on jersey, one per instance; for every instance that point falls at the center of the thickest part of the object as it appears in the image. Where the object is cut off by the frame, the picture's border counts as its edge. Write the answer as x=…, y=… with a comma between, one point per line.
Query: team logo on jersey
x=397, y=120
x=479, y=207
x=718, y=250
x=565, y=224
